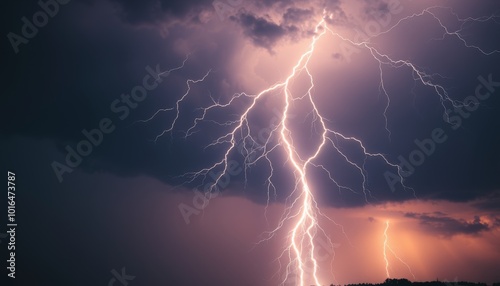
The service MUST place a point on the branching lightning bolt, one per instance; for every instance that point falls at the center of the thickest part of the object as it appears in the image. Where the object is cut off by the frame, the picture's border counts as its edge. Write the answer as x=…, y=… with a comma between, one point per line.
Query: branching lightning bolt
x=387, y=247
x=302, y=209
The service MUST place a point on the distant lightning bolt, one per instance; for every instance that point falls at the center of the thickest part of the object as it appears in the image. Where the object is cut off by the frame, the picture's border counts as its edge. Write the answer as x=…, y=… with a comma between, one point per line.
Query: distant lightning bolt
x=386, y=238
x=302, y=209
x=387, y=247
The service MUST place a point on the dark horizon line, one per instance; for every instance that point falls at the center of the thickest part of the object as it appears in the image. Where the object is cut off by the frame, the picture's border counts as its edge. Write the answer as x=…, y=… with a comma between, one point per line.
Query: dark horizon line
x=406, y=282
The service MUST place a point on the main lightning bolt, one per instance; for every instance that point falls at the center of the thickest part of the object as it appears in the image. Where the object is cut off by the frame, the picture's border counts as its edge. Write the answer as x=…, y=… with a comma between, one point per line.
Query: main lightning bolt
x=302, y=210
x=387, y=247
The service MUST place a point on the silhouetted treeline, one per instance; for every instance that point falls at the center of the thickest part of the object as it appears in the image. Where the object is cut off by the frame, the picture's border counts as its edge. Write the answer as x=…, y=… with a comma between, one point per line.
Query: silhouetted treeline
x=406, y=282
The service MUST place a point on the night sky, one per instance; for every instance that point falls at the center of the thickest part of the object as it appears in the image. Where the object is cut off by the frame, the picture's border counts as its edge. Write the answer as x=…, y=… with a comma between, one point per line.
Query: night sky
x=111, y=107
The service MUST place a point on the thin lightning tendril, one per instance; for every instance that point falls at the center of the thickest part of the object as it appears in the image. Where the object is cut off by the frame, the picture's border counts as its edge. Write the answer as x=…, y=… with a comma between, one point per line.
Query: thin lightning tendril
x=301, y=207
x=387, y=247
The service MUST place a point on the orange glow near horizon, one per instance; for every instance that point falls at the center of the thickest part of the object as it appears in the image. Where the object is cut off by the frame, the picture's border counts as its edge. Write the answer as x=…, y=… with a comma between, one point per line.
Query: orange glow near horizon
x=387, y=247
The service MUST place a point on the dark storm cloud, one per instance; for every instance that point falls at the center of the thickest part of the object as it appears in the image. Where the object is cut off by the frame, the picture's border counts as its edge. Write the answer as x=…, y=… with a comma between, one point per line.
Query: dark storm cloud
x=377, y=7
x=150, y=11
x=271, y=3
x=265, y=33
x=447, y=226
x=334, y=7
x=497, y=222
x=297, y=15
x=66, y=78
x=262, y=32
x=489, y=202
